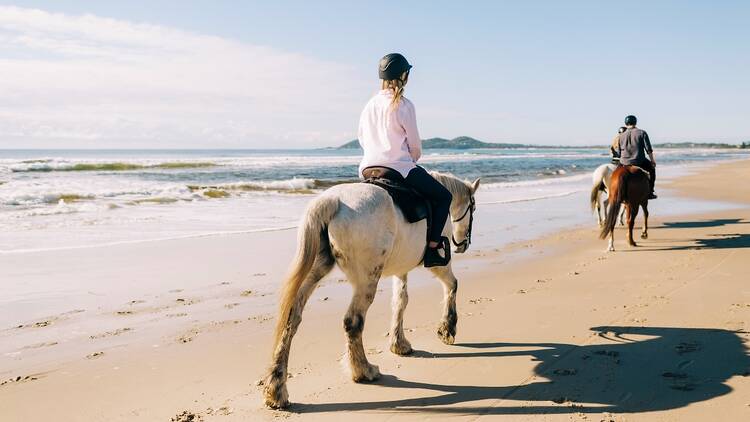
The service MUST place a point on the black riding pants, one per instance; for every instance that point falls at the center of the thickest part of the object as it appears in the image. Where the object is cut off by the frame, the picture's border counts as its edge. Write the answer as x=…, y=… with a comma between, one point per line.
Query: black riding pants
x=440, y=199
x=649, y=167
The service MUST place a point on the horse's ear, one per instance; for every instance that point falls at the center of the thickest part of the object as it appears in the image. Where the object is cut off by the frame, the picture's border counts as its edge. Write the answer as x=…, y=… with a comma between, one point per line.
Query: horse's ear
x=475, y=185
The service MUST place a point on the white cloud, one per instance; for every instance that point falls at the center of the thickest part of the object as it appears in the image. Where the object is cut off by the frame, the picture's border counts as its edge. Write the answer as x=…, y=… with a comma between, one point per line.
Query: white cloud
x=89, y=81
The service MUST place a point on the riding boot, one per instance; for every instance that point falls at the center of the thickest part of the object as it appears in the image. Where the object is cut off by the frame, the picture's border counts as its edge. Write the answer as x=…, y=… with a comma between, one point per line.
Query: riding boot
x=432, y=256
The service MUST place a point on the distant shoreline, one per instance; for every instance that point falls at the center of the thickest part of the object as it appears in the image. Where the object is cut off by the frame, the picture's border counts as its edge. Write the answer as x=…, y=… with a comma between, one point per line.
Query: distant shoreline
x=467, y=142
x=461, y=143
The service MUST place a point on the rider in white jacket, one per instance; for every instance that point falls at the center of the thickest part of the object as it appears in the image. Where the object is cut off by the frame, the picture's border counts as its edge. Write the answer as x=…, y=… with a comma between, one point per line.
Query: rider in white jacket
x=389, y=137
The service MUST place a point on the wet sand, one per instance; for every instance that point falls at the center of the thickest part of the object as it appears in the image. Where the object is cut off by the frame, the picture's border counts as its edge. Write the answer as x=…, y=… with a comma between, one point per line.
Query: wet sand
x=549, y=329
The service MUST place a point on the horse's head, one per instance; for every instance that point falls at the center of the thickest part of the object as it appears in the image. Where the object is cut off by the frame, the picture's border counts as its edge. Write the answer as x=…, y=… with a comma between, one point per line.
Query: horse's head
x=462, y=208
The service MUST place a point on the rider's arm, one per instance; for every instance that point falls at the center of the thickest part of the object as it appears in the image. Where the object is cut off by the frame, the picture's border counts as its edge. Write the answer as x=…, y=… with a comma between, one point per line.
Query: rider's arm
x=408, y=119
x=649, y=150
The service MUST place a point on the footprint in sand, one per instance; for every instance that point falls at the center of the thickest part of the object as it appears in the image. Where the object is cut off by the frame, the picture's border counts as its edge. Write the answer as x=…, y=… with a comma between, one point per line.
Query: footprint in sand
x=565, y=372
x=39, y=345
x=685, y=363
x=19, y=379
x=94, y=355
x=222, y=411
x=261, y=318
x=112, y=333
x=480, y=300
x=687, y=347
x=38, y=324
x=187, y=416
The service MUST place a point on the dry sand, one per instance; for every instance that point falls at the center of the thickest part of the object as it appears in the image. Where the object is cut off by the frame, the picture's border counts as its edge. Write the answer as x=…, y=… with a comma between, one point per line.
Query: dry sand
x=552, y=329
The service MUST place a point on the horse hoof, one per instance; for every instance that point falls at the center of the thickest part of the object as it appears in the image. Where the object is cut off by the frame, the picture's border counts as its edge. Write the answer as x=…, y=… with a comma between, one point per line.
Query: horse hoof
x=275, y=394
x=644, y=235
x=611, y=249
x=446, y=334
x=633, y=244
x=401, y=348
x=371, y=373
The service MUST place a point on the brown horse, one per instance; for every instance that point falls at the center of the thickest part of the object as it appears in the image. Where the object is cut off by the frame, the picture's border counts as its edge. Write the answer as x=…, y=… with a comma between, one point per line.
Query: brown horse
x=629, y=185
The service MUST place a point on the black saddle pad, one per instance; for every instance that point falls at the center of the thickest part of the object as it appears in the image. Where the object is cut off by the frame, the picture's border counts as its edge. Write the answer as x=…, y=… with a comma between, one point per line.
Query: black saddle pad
x=411, y=203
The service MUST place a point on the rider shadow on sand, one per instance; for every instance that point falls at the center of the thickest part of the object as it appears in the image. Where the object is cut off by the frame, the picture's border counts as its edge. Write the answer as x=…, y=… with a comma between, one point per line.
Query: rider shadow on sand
x=643, y=369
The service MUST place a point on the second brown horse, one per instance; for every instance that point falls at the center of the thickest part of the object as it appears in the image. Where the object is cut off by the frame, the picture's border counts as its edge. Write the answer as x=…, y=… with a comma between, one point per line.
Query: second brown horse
x=629, y=186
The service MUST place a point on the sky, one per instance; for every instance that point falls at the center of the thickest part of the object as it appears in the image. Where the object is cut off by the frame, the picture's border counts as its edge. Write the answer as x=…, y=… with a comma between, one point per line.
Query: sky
x=296, y=74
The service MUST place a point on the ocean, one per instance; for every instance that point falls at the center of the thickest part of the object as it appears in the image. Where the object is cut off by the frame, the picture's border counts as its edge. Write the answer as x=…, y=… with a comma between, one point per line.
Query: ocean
x=52, y=199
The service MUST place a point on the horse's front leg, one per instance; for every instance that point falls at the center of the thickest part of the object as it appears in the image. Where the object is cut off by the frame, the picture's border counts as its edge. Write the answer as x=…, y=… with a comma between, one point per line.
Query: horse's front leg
x=644, y=234
x=399, y=344
x=447, y=329
x=354, y=324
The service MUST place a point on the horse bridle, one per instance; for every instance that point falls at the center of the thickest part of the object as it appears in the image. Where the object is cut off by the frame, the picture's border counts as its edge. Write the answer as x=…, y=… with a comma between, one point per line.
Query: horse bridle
x=470, y=212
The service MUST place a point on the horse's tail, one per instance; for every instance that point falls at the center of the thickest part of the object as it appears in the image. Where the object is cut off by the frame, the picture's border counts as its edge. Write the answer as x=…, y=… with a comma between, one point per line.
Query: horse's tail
x=595, y=194
x=313, y=249
x=617, y=190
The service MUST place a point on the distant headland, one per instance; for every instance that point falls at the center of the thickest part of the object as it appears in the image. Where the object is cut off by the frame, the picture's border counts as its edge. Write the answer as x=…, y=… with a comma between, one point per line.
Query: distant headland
x=467, y=142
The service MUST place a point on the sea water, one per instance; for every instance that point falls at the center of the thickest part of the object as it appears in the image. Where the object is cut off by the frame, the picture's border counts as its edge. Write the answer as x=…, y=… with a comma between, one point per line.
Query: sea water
x=52, y=199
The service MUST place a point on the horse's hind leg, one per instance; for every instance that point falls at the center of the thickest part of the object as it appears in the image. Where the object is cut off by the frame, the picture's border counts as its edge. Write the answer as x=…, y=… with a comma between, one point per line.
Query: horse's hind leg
x=274, y=390
x=399, y=344
x=644, y=234
x=632, y=213
x=447, y=329
x=354, y=324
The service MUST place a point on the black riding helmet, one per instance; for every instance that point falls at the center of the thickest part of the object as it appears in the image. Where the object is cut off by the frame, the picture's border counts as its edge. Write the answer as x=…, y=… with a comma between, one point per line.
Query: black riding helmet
x=392, y=66
x=630, y=120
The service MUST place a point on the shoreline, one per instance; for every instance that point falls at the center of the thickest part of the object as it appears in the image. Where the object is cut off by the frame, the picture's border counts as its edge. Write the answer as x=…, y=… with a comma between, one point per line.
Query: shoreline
x=231, y=347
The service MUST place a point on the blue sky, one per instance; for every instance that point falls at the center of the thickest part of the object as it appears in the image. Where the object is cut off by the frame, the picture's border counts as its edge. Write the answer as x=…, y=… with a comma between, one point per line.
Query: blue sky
x=296, y=74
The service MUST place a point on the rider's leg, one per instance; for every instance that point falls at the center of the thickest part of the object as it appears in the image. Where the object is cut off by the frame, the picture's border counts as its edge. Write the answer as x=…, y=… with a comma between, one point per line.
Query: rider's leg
x=440, y=199
x=652, y=177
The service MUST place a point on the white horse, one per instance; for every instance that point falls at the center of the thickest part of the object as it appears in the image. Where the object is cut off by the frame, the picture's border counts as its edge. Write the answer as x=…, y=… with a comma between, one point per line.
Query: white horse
x=602, y=181
x=358, y=227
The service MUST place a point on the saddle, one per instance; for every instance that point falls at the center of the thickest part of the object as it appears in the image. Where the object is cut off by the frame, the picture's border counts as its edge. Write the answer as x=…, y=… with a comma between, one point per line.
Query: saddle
x=633, y=169
x=414, y=206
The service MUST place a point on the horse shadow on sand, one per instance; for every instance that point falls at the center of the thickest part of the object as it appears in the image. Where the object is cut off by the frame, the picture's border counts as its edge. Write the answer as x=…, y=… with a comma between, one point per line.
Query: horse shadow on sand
x=641, y=369
x=714, y=241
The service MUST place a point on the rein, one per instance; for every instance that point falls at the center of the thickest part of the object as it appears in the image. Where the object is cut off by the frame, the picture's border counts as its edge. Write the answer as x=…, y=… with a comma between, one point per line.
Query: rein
x=470, y=212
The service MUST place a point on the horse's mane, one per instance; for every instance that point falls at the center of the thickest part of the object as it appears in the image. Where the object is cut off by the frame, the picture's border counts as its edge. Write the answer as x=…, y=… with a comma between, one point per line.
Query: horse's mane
x=460, y=189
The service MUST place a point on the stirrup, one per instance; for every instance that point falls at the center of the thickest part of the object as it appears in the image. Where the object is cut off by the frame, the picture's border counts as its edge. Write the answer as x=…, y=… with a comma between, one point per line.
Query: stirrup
x=433, y=259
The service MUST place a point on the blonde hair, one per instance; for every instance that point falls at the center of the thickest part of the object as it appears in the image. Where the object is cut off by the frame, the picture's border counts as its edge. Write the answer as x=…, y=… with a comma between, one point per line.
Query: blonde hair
x=397, y=86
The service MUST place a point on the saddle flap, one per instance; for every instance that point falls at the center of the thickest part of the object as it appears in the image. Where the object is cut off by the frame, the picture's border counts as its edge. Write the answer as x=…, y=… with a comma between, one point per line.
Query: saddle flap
x=414, y=206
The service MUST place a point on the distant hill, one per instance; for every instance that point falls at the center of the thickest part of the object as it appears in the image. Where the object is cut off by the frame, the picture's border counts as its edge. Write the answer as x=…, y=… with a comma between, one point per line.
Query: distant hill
x=700, y=145
x=462, y=142
x=467, y=142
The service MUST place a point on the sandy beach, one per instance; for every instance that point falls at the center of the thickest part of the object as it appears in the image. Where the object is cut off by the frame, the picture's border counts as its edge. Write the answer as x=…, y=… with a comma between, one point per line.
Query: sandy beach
x=549, y=329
